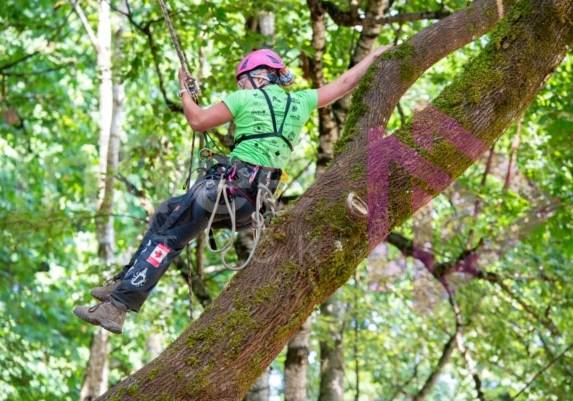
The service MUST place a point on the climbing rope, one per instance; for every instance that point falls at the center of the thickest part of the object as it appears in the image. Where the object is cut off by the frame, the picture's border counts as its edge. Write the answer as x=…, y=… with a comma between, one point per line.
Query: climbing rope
x=265, y=201
x=192, y=87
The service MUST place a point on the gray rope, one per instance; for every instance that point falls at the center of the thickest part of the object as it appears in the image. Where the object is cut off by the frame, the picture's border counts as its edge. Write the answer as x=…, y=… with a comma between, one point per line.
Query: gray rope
x=264, y=198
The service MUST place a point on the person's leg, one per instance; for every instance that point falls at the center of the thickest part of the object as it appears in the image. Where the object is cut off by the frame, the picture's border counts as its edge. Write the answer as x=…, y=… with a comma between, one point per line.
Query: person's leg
x=159, y=217
x=165, y=242
x=176, y=222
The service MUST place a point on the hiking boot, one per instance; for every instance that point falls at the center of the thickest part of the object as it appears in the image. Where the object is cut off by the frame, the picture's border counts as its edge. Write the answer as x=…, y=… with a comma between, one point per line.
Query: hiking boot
x=103, y=293
x=110, y=315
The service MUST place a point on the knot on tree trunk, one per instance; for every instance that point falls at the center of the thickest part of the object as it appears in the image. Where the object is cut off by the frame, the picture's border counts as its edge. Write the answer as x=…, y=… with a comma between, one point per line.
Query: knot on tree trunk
x=356, y=207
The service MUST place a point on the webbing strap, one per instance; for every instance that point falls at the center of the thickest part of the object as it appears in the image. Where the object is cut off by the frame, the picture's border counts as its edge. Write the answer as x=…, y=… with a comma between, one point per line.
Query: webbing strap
x=279, y=131
x=259, y=136
x=275, y=133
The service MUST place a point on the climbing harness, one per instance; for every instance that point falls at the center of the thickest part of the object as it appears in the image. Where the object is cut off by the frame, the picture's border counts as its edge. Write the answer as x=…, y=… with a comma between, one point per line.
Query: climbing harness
x=265, y=201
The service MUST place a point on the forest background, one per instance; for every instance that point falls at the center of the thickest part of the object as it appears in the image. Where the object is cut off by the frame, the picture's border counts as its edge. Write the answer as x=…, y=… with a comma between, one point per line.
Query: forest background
x=92, y=137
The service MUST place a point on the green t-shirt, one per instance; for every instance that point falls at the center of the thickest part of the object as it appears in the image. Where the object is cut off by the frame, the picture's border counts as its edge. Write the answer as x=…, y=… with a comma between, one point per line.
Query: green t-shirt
x=252, y=116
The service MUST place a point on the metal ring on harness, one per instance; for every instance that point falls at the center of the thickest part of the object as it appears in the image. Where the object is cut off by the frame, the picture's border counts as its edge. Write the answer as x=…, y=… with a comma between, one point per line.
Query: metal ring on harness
x=205, y=154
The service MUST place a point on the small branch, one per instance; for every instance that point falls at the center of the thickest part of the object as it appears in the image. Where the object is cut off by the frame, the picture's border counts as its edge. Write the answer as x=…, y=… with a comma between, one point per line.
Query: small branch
x=32, y=73
x=55, y=34
x=513, y=155
x=477, y=202
x=400, y=389
x=353, y=18
x=17, y=61
x=408, y=17
x=561, y=355
x=564, y=366
x=146, y=30
x=433, y=378
x=459, y=336
x=295, y=178
x=198, y=286
x=226, y=140
x=401, y=114
x=140, y=194
x=496, y=279
x=172, y=106
x=465, y=262
x=86, y=25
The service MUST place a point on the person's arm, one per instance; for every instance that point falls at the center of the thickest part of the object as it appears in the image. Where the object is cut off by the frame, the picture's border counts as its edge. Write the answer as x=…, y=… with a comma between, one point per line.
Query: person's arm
x=349, y=80
x=200, y=119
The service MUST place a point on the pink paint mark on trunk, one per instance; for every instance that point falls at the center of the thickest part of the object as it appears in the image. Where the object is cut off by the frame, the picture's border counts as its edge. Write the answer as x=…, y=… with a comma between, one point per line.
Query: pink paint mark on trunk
x=431, y=120
x=385, y=149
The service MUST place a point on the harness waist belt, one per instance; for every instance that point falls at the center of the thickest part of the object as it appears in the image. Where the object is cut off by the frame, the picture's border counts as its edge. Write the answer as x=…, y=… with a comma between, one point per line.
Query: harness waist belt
x=256, y=166
x=259, y=136
x=264, y=168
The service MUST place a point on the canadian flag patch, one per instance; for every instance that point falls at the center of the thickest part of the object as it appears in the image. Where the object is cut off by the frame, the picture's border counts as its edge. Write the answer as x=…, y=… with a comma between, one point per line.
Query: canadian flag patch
x=158, y=254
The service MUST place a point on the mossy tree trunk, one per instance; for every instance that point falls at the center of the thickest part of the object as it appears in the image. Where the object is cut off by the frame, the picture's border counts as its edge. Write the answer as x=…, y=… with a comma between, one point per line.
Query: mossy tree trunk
x=314, y=248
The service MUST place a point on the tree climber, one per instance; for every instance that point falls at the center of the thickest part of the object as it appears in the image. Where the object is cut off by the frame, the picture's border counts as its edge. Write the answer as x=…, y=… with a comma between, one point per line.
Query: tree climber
x=268, y=123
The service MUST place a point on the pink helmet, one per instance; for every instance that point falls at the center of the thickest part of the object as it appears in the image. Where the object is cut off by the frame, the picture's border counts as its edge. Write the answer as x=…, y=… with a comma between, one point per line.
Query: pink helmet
x=258, y=58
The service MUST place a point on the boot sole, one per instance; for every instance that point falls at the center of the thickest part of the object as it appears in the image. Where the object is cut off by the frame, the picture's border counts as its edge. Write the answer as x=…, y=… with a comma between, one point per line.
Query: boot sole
x=109, y=325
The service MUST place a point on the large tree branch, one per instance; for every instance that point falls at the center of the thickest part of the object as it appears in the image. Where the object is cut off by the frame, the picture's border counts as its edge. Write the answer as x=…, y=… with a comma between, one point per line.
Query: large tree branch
x=472, y=110
x=353, y=17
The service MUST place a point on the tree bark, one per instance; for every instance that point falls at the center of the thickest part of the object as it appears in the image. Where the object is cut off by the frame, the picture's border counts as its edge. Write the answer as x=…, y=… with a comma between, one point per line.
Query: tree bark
x=314, y=248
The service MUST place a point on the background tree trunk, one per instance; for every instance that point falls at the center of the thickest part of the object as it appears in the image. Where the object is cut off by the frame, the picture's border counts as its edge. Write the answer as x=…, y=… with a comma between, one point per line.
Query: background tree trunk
x=296, y=363
x=332, y=313
x=96, y=379
x=111, y=97
x=260, y=390
x=97, y=371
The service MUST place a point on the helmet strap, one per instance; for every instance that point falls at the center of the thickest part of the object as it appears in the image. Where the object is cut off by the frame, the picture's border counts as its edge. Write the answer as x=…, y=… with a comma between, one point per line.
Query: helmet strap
x=252, y=81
